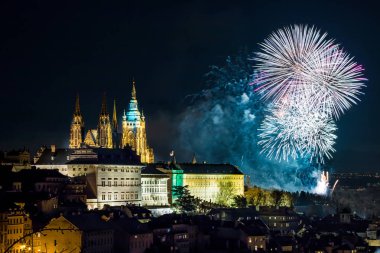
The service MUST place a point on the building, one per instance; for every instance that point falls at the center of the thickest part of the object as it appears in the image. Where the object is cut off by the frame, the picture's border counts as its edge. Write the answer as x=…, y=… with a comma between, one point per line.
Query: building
x=15, y=224
x=281, y=219
x=77, y=127
x=112, y=176
x=17, y=159
x=154, y=187
x=134, y=130
x=107, y=135
x=205, y=181
x=131, y=236
x=77, y=233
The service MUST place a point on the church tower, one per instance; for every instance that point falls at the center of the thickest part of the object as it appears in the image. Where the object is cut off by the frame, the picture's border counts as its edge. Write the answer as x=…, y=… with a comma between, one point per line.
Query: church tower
x=134, y=131
x=104, y=127
x=115, y=127
x=77, y=127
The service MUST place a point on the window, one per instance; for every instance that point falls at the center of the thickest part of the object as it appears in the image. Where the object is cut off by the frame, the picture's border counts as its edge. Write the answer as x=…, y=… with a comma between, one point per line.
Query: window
x=115, y=196
x=103, y=196
x=109, y=196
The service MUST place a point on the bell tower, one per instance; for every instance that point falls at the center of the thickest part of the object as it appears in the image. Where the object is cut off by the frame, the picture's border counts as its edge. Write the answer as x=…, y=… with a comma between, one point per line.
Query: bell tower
x=104, y=126
x=77, y=127
x=133, y=130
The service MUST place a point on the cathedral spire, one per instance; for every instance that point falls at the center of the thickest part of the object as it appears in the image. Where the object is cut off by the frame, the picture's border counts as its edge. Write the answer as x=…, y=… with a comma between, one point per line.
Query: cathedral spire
x=194, y=160
x=142, y=115
x=104, y=104
x=77, y=107
x=77, y=127
x=114, y=116
x=133, y=89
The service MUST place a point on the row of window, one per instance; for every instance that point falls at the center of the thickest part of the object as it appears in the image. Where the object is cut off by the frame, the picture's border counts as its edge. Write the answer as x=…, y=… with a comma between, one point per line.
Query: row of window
x=128, y=182
x=121, y=196
x=281, y=218
x=149, y=197
x=15, y=220
x=153, y=182
x=122, y=170
x=153, y=189
x=15, y=231
x=140, y=244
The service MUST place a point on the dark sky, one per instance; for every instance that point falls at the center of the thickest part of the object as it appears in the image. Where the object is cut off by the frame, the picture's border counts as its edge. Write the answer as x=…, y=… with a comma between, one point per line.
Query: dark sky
x=49, y=51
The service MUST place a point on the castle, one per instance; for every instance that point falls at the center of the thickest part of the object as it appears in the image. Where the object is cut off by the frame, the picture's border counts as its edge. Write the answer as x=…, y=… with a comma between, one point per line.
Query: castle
x=107, y=134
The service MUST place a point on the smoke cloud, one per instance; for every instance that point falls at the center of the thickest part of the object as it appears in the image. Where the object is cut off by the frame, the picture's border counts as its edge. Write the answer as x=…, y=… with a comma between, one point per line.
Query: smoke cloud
x=220, y=125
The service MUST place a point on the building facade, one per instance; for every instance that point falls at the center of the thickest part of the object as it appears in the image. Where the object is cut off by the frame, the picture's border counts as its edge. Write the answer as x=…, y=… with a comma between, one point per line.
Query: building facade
x=82, y=233
x=205, y=181
x=77, y=127
x=107, y=134
x=112, y=176
x=14, y=226
x=154, y=187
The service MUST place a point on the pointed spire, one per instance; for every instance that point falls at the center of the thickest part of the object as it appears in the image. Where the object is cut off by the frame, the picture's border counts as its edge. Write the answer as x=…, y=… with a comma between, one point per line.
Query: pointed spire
x=142, y=115
x=104, y=104
x=124, y=116
x=114, y=116
x=194, y=160
x=77, y=107
x=172, y=157
x=133, y=89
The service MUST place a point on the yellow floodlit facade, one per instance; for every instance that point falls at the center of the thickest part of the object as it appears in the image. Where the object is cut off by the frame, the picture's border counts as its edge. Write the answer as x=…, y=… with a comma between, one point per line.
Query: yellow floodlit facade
x=208, y=186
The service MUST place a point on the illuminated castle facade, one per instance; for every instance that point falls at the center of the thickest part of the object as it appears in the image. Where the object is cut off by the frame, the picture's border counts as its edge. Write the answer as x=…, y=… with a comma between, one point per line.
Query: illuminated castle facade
x=107, y=134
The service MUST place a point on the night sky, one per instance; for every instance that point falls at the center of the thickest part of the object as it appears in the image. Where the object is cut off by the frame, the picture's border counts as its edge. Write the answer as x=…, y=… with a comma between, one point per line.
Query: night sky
x=50, y=51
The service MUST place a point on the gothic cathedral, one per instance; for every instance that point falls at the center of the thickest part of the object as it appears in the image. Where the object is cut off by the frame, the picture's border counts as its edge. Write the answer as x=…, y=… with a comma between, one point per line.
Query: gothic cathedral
x=132, y=135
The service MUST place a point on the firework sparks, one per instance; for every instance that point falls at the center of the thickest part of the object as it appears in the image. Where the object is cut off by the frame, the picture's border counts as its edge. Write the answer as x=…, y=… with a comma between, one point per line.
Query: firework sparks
x=322, y=184
x=310, y=81
x=300, y=58
x=295, y=131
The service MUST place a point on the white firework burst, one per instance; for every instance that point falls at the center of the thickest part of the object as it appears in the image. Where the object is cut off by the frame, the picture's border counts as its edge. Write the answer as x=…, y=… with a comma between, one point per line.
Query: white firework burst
x=295, y=131
x=300, y=58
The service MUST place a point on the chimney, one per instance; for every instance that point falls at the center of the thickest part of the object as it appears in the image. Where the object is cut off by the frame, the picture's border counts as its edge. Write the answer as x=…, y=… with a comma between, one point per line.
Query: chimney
x=52, y=148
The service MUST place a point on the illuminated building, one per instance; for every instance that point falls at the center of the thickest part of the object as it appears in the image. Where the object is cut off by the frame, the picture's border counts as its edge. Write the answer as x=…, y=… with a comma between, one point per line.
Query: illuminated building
x=78, y=233
x=113, y=176
x=107, y=135
x=154, y=187
x=104, y=127
x=14, y=225
x=134, y=131
x=205, y=181
x=77, y=127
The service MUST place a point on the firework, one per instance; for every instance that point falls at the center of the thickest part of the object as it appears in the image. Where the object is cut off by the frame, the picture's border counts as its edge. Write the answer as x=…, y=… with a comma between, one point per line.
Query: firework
x=322, y=184
x=300, y=58
x=294, y=130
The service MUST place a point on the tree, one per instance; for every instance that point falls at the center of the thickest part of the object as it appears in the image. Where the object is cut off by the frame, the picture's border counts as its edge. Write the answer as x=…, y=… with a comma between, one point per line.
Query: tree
x=225, y=194
x=276, y=197
x=185, y=202
x=239, y=201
